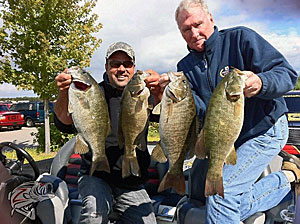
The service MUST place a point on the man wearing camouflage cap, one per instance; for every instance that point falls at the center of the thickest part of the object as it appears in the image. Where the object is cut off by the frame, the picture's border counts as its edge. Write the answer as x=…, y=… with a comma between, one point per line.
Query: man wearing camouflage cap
x=103, y=191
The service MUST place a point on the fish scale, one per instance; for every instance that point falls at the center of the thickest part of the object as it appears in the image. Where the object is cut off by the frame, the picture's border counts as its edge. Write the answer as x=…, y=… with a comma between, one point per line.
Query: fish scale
x=176, y=130
x=222, y=126
x=89, y=112
x=133, y=122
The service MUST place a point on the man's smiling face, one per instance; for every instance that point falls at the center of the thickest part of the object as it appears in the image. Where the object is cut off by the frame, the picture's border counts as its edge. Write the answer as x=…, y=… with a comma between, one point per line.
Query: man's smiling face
x=120, y=69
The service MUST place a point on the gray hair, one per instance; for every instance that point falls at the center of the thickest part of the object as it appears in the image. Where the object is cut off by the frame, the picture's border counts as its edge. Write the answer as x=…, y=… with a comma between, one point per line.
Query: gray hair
x=188, y=4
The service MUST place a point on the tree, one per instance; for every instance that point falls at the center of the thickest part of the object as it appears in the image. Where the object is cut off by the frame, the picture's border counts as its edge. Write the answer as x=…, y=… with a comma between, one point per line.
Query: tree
x=39, y=38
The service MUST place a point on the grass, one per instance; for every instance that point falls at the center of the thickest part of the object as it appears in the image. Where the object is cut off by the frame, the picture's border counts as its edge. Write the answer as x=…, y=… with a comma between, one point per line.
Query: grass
x=37, y=156
x=34, y=154
x=153, y=136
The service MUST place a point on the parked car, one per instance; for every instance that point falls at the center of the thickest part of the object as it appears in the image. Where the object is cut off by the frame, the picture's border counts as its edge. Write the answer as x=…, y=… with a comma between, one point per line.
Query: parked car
x=33, y=111
x=10, y=119
x=8, y=104
x=292, y=100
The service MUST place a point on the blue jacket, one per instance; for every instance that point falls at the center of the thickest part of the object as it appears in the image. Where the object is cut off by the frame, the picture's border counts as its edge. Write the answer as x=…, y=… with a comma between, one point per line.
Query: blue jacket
x=242, y=48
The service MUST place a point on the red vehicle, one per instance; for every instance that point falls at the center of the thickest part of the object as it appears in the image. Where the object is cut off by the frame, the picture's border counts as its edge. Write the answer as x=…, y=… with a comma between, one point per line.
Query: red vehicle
x=10, y=119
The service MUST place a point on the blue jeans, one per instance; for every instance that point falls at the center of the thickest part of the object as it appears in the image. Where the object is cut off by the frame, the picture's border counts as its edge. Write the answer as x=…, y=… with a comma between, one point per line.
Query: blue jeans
x=243, y=196
x=99, y=199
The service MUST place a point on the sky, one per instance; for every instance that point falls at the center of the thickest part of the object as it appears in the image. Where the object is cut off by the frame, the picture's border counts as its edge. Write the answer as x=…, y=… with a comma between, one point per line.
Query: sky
x=150, y=28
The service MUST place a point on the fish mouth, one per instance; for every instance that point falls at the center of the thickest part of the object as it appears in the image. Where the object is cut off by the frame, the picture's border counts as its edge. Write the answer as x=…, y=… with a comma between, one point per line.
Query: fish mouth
x=233, y=97
x=136, y=93
x=81, y=85
x=173, y=96
x=139, y=92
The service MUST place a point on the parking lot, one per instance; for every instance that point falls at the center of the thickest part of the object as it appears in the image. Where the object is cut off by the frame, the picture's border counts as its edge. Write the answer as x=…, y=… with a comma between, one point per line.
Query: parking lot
x=21, y=137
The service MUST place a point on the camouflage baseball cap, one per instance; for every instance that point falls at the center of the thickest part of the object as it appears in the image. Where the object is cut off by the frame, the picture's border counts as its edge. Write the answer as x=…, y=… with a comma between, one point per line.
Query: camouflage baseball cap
x=120, y=46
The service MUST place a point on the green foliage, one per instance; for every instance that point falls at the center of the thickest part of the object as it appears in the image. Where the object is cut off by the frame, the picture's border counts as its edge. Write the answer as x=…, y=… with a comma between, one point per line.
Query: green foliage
x=58, y=139
x=40, y=38
x=153, y=133
x=33, y=152
x=297, y=87
x=21, y=98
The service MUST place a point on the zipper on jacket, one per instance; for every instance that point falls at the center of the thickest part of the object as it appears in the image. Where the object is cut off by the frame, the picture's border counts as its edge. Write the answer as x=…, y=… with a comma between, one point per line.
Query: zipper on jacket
x=208, y=74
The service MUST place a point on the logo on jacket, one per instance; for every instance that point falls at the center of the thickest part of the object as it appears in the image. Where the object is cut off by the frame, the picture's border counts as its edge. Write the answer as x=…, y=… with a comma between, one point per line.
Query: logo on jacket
x=224, y=71
x=24, y=198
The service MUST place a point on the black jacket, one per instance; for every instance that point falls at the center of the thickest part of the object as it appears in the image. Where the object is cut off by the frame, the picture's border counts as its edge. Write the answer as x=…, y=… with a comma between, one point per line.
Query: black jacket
x=113, y=153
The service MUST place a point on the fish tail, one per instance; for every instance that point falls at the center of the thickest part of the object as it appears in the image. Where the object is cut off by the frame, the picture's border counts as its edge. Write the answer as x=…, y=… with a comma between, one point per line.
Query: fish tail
x=213, y=187
x=201, y=151
x=130, y=166
x=158, y=154
x=100, y=164
x=175, y=181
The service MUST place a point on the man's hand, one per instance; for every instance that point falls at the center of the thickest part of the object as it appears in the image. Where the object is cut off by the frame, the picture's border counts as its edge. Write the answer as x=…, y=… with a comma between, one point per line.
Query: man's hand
x=152, y=82
x=63, y=80
x=253, y=84
x=164, y=81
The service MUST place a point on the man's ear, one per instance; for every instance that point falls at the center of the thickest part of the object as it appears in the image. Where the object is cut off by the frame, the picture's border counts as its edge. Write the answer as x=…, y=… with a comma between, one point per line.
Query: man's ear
x=106, y=66
x=211, y=18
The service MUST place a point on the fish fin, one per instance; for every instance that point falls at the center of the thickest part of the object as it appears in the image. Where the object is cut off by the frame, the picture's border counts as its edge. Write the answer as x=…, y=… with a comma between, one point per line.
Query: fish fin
x=140, y=144
x=191, y=139
x=130, y=166
x=156, y=109
x=176, y=181
x=109, y=130
x=84, y=102
x=214, y=187
x=231, y=158
x=140, y=140
x=70, y=108
x=101, y=164
x=170, y=109
x=200, y=151
x=190, y=153
x=158, y=154
x=150, y=106
x=238, y=109
x=81, y=147
x=121, y=139
x=139, y=106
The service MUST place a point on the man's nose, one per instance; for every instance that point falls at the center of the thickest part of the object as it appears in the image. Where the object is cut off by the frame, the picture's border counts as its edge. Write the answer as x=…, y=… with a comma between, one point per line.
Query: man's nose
x=195, y=32
x=121, y=68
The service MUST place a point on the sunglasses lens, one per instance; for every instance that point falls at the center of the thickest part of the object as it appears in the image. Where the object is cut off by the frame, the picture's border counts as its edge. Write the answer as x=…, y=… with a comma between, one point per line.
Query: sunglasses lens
x=117, y=64
x=128, y=64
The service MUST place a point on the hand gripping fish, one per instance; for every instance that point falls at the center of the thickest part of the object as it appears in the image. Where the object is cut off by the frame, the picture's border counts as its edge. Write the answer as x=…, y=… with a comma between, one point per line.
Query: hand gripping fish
x=89, y=111
x=177, y=130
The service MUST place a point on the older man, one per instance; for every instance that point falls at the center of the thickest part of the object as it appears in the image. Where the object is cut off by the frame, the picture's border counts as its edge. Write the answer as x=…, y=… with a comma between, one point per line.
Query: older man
x=212, y=53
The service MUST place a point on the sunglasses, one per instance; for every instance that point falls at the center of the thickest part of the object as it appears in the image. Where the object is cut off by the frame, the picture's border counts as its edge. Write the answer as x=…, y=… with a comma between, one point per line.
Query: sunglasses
x=117, y=64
